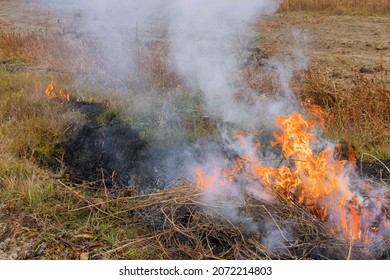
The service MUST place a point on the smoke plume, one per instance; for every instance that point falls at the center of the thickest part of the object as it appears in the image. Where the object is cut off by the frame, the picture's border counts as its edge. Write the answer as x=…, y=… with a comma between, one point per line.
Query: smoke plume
x=204, y=39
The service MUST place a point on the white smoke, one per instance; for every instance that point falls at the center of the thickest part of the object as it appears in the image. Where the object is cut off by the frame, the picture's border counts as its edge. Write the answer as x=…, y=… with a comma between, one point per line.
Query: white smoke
x=203, y=38
x=203, y=45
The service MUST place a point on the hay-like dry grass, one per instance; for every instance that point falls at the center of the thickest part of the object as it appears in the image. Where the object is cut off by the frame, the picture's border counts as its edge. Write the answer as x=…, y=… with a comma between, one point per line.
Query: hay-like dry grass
x=345, y=6
x=185, y=227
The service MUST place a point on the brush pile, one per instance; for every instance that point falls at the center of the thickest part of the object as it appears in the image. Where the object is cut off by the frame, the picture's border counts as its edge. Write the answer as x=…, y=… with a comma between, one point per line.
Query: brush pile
x=185, y=228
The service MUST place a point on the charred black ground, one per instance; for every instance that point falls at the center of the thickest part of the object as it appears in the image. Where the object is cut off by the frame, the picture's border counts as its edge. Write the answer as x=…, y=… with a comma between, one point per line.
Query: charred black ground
x=102, y=154
x=375, y=170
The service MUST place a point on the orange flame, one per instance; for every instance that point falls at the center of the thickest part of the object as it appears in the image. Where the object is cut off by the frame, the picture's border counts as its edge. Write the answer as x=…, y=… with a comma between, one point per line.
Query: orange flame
x=50, y=91
x=199, y=172
x=268, y=26
x=317, y=181
x=61, y=96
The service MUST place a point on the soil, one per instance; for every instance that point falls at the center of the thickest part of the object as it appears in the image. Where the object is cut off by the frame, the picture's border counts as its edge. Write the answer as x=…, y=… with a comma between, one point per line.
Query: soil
x=361, y=41
x=14, y=239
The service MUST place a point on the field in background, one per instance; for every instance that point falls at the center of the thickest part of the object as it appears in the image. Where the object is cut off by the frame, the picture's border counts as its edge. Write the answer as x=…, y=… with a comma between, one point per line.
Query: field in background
x=42, y=217
x=337, y=7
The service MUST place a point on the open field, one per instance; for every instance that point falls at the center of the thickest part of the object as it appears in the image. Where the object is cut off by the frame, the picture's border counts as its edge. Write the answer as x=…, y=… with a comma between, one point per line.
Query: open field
x=95, y=168
x=337, y=7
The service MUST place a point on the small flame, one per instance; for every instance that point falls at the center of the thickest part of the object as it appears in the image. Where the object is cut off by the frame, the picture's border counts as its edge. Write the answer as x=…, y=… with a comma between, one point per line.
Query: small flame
x=64, y=95
x=268, y=26
x=61, y=95
x=351, y=157
x=199, y=172
x=50, y=92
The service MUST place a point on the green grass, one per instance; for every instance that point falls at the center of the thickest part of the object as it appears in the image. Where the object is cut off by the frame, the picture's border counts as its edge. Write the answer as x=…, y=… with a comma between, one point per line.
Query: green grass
x=112, y=114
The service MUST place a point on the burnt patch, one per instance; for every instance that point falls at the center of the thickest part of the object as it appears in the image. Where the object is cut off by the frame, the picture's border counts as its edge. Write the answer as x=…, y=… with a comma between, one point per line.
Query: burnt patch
x=101, y=154
x=91, y=110
x=105, y=154
x=375, y=170
x=162, y=168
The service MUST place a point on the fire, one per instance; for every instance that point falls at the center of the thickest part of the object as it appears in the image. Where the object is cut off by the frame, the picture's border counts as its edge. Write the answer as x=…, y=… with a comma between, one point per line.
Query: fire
x=316, y=180
x=50, y=91
x=268, y=26
x=61, y=95
x=199, y=173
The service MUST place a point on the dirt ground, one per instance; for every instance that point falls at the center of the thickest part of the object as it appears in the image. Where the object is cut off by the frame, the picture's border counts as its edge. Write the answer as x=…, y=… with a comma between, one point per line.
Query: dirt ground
x=362, y=41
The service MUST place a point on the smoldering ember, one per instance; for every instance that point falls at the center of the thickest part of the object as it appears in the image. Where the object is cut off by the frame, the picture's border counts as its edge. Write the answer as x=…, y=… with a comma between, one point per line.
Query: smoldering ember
x=187, y=129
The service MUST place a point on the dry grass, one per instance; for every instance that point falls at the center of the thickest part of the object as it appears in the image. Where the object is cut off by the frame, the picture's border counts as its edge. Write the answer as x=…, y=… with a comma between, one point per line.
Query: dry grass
x=360, y=110
x=84, y=57
x=58, y=223
x=30, y=123
x=52, y=51
x=34, y=129
x=106, y=223
x=186, y=227
x=338, y=7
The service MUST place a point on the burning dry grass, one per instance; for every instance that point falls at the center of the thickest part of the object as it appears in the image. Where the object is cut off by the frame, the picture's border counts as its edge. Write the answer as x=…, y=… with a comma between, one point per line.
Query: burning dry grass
x=109, y=225
x=76, y=221
x=186, y=228
x=346, y=6
x=27, y=119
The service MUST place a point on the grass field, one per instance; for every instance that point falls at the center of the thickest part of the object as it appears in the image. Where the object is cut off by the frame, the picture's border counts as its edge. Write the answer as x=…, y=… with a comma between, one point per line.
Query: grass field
x=53, y=220
x=337, y=7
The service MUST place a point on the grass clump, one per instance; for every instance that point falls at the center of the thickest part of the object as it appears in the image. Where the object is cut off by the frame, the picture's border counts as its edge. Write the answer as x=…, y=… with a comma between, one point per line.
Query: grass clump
x=111, y=113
